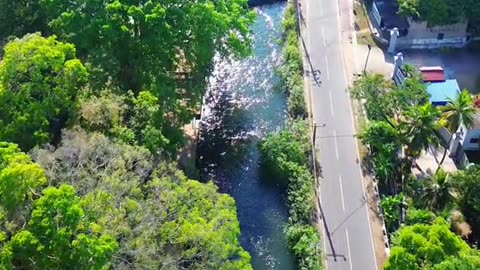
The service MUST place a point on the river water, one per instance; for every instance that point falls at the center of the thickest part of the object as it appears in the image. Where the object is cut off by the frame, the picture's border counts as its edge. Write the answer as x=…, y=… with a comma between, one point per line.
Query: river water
x=244, y=103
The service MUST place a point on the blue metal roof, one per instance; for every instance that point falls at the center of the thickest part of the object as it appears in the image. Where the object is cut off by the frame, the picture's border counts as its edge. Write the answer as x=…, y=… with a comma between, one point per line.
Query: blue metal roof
x=440, y=92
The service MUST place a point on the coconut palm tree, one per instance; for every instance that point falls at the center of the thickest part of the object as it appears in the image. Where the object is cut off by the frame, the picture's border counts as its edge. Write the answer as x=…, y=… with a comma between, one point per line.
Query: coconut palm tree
x=454, y=114
x=419, y=129
x=438, y=191
x=417, y=132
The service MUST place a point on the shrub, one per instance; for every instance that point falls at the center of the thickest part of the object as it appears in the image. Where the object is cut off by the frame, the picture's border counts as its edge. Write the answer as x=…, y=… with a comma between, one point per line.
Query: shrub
x=304, y=240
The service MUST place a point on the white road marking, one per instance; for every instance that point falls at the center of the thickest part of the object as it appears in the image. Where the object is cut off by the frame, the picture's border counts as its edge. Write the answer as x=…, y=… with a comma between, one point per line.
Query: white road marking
x=326, y=67
x=324, y=37
x=341, y=192
x=336, y=144
x=355, y=140
x=348, y=248
x=331, y=102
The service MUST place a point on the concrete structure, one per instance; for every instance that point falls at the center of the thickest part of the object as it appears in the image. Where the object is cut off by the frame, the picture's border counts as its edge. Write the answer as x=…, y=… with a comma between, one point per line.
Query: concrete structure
x=398, y=76
x=392, y=45
x=471, y=140
x=415, y=34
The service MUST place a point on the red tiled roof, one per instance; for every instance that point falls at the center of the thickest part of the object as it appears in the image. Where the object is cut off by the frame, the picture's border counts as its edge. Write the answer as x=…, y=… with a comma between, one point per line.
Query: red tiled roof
x=433, y=75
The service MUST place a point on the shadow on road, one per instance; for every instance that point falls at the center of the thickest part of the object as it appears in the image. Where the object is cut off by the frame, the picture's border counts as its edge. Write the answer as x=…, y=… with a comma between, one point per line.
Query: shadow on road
x=364, y=201
x=328, y=235
x=315, y=73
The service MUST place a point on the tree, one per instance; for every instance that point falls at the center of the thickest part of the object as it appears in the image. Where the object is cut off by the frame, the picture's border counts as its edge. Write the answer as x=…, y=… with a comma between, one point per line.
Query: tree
x=304, y=241
x=468, y=188
x=160, y=218
x=165, y=48
x=282, y=151
x=58, y=236
x=20, y=184
x=21, y=17
x=435, y=12
x=39, y=81
x=373, y=89
x=456, y=113
x=434, y=246
x=438, y=191
x=392, y=209
x=419, y=128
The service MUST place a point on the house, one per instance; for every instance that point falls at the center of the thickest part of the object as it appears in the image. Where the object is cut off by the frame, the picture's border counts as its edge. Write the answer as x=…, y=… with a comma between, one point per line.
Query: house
x=413, y=34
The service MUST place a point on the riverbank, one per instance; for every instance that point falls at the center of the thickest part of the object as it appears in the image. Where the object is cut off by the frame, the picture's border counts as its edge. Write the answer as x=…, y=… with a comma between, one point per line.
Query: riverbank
x=286, y=153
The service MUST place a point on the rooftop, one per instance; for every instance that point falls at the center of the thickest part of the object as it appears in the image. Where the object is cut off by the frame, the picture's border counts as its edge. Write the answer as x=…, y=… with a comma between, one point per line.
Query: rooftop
x=441, y=92
x=431, y=75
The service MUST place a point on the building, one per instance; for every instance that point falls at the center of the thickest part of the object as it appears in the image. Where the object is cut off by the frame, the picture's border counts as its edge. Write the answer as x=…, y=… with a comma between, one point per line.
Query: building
x=412, y=34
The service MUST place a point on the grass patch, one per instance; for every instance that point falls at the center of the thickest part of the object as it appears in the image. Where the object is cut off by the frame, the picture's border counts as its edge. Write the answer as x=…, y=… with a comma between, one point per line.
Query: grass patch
x=364, y=35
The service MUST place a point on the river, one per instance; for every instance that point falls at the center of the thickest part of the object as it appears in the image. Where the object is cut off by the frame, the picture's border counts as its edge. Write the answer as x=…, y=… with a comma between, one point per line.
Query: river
x=243, y=104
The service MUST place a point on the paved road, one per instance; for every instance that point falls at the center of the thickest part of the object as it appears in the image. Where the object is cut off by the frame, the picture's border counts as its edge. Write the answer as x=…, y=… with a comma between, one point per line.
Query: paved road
x=347, y=235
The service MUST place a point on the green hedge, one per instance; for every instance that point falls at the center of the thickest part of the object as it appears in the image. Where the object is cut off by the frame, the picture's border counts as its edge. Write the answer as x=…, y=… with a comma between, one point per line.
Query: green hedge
x=291, y=70
x=285, y=155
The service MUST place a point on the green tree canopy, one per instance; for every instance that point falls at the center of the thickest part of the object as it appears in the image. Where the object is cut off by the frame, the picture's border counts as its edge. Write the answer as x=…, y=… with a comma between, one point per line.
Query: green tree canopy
x=438, y=12
x=164, y=49
x=45, y=230
x=160, y=218
x=434, y=246
x=39, y=81
x=59, y=235
x=21, y=17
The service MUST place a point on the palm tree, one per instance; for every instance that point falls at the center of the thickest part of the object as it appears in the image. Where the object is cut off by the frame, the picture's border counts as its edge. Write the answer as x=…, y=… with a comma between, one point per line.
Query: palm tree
x=438, y=191
x=419, y=130
x=455, y=113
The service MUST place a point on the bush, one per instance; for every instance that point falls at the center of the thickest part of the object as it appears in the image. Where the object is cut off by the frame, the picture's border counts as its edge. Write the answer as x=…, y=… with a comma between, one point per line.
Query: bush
x=291, y=71
x=304, y=240
x=285, y=154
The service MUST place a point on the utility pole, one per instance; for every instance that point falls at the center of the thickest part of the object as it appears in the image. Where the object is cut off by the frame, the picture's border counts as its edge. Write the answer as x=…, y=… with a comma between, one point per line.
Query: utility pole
x=315, y=126
x=366, y=60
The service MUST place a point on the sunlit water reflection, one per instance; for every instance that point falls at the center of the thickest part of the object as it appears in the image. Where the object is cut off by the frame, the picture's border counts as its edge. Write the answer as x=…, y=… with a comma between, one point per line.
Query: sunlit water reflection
x=243, y=105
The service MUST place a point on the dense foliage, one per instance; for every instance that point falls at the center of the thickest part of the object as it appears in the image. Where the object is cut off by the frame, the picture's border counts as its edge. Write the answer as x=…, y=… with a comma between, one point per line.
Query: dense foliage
x=285, y=155
x=402, y=125
x=160, y=218
x=158, y=53
x=49, y=229
x=432, y=246
x=39, y=82
x=441, y=12
x=106, y=194
x=291, y=70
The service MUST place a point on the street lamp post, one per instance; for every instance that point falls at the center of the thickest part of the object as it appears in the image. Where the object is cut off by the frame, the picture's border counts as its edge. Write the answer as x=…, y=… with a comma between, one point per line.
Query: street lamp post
x=315, y=126
x=366, y=60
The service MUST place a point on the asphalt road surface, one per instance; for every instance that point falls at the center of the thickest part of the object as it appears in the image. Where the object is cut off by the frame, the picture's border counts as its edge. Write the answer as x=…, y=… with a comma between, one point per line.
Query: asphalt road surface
x=347, y=234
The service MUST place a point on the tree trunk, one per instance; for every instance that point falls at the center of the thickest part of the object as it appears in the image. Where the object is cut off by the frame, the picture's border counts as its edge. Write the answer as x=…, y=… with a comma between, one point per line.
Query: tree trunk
x=445, y=153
